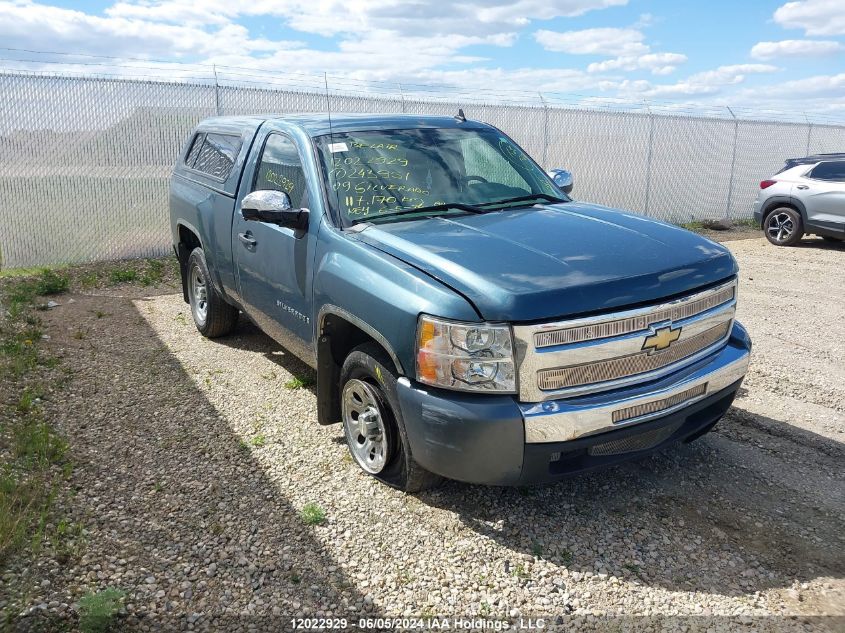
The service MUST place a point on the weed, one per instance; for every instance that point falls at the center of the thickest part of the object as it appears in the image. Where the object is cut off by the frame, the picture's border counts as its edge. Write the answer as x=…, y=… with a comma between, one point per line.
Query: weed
x=28, y=399
x=100, y=314
x=243, y=446
x=154, y=273
x=67, y=540
x=313, y=514
x=122, y=275
x=180, y=319
x=49, y=282
x=89, y=280
x=258, y=441
x=158, y=487
x=631, y=567
x=299, y=382
x=537, y=549
x=520, y=572
x=97, y=611
x=566, y=557
x=80, y=334
x=295, y=578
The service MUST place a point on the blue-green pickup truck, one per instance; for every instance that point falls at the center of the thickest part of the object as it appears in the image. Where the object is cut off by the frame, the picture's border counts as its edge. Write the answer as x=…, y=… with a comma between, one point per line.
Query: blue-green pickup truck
x=465, y=317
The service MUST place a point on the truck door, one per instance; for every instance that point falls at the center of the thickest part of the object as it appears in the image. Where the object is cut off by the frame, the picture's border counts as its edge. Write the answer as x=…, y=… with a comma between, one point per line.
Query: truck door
x=823, y=194
x=273, y=262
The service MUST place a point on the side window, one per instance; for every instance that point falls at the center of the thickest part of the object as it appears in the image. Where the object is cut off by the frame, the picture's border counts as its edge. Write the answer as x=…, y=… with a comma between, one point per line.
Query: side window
x=191, y=157
x=834, y=171
x=281, y=170
x=217, y=155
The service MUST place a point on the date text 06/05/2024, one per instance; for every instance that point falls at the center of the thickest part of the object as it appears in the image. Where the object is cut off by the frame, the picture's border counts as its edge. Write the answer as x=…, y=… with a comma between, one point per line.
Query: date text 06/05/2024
x=427, y=623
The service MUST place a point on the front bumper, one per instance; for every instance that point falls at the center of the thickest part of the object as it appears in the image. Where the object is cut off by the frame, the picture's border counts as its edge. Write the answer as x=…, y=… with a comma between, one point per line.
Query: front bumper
x=496, y=440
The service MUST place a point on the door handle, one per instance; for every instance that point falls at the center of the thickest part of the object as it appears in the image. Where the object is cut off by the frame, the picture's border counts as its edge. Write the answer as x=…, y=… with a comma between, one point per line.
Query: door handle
x=247, y=239
x=802, y=187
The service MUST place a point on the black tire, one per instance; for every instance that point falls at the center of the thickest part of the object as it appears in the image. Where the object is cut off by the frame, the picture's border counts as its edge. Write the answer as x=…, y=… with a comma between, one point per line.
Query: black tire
x=784, y=227
x=220, y=318
x=368, y=363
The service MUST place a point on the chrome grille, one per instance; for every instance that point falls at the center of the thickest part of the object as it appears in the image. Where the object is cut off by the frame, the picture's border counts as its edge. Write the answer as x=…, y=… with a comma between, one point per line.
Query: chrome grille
x=682, y=309
x=629, y=413
x=624, y=366
x=633, y=443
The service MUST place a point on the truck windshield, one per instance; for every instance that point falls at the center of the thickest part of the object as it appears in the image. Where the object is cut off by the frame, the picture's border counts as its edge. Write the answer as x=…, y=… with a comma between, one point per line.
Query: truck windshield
x=376, y=174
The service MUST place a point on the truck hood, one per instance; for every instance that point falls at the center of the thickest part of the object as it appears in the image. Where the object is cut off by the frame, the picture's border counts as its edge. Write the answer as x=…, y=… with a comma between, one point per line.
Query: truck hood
x=557, y=260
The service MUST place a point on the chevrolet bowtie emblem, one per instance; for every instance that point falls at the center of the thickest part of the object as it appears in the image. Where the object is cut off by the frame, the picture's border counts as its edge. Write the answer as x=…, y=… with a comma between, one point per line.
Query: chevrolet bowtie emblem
x=661, y=339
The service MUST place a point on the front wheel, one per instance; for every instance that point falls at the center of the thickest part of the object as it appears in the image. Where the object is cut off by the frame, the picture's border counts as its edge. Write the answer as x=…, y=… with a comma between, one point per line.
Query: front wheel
x=784, y=227
x=372, y=421
x=212, y=315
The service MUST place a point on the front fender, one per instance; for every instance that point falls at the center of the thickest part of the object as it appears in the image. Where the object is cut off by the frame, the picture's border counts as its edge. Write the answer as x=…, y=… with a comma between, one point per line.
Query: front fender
x=382, y=295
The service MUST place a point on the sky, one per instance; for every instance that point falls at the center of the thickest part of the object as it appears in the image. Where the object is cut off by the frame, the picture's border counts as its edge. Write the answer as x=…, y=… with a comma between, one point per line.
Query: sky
x=747, y=54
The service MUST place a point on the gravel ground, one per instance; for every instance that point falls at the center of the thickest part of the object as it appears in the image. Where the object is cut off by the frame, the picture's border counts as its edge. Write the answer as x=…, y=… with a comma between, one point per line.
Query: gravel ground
x=194, y=461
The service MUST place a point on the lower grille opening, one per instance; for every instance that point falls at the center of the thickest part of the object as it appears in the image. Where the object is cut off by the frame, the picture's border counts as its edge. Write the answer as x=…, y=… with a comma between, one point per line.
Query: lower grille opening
x=634, y=443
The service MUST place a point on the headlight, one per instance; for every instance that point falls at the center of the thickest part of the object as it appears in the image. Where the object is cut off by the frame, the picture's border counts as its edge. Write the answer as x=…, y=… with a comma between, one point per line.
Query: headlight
x=465, y=356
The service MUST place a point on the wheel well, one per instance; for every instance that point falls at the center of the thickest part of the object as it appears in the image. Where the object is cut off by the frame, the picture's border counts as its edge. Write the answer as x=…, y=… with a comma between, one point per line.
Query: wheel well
x=777, y=205
x=336, y=339
x=188, y=241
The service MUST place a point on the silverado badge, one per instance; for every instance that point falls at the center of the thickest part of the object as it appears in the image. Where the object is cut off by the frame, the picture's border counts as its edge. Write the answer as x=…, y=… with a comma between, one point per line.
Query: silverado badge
x=661, y=339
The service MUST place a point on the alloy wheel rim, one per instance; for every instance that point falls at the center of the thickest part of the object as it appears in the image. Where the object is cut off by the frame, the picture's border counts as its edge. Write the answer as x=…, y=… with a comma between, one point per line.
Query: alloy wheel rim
x=364, y=423
x=199, y=296
x=780, y=227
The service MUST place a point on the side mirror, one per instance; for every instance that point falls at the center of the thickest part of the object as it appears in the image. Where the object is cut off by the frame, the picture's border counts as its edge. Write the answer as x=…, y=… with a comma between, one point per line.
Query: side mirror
x=273, y=207
x=563, y=179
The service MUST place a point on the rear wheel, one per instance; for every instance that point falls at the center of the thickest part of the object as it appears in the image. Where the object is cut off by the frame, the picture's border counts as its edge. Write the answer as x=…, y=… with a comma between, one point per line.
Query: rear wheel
x=784, y=227
x=372, y=421
x=212, y=315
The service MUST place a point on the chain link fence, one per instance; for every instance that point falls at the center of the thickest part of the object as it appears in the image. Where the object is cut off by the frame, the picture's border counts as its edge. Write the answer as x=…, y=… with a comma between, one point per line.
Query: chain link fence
x=84, y=160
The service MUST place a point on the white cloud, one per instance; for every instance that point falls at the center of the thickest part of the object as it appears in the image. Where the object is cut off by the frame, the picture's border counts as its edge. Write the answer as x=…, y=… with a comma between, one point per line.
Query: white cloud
x=704, y=83
x=330, y=17
x=657, y=63
x=626, y=45
x=42, y=27
x=795, y=48
x=819, y=86
x=816, y=17
x=603, y=41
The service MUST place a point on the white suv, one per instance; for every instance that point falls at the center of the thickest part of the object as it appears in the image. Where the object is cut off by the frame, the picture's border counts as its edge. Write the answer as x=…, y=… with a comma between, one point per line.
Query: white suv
x=806, y=196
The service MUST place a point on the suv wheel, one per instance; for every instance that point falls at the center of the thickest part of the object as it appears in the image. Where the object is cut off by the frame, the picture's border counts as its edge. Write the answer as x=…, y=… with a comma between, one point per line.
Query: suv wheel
x=784, y=227
x=212, y=315
x=372, y=421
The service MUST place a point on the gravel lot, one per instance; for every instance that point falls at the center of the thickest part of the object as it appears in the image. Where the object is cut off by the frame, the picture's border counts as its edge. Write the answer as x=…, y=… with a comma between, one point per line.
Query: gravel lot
x=194, y=460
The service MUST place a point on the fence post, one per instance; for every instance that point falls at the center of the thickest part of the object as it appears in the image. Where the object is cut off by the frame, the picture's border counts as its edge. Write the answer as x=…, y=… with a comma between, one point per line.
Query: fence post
x=402, y=97
x=216, y=91
x=809, y=133
x=733, y=164
x=648, y=156
x=545, y=131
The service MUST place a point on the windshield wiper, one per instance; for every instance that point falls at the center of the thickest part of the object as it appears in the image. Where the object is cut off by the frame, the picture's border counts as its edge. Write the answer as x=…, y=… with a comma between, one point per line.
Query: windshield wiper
x=446, y=206
x=533, y=196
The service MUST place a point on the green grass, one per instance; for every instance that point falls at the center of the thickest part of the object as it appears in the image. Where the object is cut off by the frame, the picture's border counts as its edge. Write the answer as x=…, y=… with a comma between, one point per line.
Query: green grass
x=299, y=382
x=313, y=514
x=35, y=455
x=258, y=441
x=122, y=275
x=98, y=611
